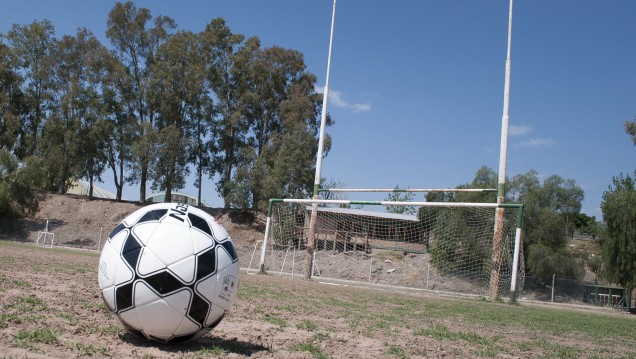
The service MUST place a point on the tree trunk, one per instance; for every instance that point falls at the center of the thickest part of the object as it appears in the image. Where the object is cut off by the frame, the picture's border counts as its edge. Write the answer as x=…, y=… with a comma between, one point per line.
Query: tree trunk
x=90, y=186
x=200, y=174
x=64, y=173
x=142, y=185
x=168, y=197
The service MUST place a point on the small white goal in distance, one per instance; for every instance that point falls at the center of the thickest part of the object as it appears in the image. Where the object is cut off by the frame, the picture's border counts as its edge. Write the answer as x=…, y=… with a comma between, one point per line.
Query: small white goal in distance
x=440, y=246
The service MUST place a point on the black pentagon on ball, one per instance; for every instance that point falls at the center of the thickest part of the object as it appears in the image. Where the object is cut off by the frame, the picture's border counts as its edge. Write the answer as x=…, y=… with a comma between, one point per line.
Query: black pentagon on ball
x=200, y=223
x=199, y=309
x=120, y=227
x=153, y=215
x=131, y=250
x=124, y=296
x=206, y=263
x=164, y=282
x=231, y=251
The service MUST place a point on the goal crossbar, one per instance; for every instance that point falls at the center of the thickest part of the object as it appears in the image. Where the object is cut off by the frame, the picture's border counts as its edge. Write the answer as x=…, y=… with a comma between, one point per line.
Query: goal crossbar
x=400, y=190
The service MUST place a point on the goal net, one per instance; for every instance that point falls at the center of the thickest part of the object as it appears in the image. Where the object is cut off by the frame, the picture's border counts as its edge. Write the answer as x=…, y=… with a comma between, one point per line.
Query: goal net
x=436, y=246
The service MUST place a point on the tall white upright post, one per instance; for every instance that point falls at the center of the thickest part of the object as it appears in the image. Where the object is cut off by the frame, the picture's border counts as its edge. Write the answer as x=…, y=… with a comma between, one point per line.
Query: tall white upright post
x=321, y=142
x=503, y=153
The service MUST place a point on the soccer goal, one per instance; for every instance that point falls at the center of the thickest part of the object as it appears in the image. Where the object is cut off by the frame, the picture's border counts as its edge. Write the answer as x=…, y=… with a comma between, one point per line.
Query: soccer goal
x=436, y=246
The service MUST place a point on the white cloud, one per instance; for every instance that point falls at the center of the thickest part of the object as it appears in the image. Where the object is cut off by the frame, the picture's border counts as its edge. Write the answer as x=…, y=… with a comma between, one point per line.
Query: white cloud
x=535, y=143
x=360, y=107
x=519, y=130
x=335, y=99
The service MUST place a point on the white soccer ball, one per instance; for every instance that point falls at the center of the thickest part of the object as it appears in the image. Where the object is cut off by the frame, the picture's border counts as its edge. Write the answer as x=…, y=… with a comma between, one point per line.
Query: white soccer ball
x=169, y=272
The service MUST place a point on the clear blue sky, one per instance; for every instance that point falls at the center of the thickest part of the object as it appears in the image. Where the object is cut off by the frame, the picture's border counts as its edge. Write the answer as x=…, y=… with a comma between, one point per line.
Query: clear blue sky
x=417, y=86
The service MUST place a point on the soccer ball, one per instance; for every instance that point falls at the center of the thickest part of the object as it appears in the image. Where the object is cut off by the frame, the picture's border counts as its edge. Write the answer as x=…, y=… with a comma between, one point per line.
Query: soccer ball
x=169, y=272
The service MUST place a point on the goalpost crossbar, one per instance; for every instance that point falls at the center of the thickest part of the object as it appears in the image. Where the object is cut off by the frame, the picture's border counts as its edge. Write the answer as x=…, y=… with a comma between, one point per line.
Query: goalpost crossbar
x=400, y=190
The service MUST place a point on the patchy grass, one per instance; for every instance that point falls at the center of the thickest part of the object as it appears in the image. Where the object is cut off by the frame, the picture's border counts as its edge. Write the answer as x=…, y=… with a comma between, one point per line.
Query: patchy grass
x=52, y=307
x=312, y=349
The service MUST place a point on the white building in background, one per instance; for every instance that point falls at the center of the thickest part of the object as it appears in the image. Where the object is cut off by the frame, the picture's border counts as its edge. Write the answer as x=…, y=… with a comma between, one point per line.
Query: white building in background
x=80, y=187
x=176, y=197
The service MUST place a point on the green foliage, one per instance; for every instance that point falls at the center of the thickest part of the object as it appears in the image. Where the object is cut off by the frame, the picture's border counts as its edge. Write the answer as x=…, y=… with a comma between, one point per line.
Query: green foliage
x=26, y=338
x=585, y=224
x=18, y=183
x=11, y=98
x=595, y=264
x=307, y=325
x=619, y=246
x=158, y=104
x=485, y=178
x=284, y=233
x=458, y=238
x=399, y=196
x=313, y=349
x=135, y=43
x=630, y=129
x=32, y=46
x=545, y=261
x=550, y=210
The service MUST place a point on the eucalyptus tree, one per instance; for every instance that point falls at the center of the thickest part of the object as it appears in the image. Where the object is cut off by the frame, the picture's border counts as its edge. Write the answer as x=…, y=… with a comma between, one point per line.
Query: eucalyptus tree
x=118, y=104
x=72, y=143
x=228, y=57
x=284, y=115
x=177, y=91
x=95, y=127
x=135, y=42
x=32, y=45
x=285, y=119
x=11, y=99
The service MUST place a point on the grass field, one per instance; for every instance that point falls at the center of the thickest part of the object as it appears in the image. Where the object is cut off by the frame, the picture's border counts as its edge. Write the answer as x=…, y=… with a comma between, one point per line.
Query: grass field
x=50, y=306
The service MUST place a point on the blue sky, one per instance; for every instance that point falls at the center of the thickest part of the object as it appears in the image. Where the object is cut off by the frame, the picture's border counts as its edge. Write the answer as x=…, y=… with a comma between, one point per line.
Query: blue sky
x=417, y=86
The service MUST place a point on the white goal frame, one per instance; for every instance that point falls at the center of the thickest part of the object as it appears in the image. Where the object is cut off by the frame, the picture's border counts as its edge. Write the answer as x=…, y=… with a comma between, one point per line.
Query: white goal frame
x=312, y=202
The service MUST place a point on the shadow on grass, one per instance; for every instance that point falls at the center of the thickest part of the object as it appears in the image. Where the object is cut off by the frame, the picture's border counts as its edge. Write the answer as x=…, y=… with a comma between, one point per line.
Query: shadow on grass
x=205, y=345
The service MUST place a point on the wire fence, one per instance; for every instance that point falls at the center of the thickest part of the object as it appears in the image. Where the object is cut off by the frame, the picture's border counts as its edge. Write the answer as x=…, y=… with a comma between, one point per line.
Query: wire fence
x=572, y=291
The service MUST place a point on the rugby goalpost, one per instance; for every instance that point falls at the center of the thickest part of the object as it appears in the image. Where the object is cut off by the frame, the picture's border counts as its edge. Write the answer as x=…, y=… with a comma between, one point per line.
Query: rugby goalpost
x=440, y=246
x=499, y=216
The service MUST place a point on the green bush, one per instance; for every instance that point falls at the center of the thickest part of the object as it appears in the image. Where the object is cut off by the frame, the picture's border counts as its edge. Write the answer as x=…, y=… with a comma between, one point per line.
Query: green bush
x=18, y=183
x=545, y=261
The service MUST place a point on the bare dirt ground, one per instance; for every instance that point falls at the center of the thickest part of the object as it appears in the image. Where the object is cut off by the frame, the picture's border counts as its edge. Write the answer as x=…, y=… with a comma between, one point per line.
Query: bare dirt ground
x=51, y=307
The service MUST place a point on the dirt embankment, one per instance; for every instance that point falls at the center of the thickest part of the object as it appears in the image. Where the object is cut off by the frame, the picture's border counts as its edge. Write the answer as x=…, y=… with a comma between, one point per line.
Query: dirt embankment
x=81, y=222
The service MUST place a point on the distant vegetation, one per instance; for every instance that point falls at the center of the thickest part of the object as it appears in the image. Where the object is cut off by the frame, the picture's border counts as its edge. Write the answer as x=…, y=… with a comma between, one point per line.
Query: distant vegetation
x=155, y=105
x=551, y=215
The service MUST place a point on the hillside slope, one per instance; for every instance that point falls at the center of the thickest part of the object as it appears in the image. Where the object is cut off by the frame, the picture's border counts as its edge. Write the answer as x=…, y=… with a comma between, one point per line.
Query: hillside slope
x=81, y=222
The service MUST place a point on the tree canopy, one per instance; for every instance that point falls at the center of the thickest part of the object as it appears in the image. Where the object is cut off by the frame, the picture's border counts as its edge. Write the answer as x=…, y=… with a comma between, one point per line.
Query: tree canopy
x=550, y=207
x=619, y=245
x=158, y=104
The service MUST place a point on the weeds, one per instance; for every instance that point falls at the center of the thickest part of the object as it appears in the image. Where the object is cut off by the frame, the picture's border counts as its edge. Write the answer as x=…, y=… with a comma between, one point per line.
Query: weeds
x=307, y=325
x=312, y=349
x=25, y=338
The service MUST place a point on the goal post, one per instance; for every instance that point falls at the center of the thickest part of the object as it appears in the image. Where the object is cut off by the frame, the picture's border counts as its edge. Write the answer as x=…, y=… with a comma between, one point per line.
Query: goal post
x=443, y=246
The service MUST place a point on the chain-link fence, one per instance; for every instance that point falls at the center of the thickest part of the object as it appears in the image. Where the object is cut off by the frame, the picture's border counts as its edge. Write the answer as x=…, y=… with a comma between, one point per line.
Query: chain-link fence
x=572, y=291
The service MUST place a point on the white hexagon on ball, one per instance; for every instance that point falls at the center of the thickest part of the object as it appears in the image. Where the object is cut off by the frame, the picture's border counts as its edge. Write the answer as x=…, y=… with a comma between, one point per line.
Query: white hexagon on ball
x=169, y=272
